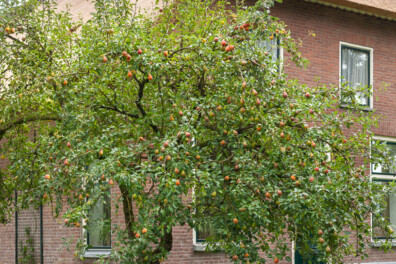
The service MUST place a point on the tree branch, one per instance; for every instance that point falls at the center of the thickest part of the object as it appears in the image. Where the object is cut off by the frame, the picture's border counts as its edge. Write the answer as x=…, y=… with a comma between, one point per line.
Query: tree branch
x=22, y=120
x=15, y=39
x=116, y=109
x=128, y=210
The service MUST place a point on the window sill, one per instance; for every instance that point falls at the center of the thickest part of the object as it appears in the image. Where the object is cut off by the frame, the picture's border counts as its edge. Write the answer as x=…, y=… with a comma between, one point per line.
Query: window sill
x=347, y=106
x=97, y=253
x=203, y=247
x=381, y=243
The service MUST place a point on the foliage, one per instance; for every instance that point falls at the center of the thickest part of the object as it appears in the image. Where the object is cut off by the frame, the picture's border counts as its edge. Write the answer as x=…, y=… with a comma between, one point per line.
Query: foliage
x=187, y=127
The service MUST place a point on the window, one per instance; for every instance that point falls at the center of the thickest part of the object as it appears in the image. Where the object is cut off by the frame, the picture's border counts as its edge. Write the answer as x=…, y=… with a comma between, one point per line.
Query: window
x=202, y=232
x=99, y=225
x=389, y=213
x=203, y=229
x=384, y=175
x=355, y=70
x=386, y=170
x=272, y=46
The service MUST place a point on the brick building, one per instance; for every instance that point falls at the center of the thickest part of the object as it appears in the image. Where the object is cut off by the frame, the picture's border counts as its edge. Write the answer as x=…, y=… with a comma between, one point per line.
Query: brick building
x=347, y=32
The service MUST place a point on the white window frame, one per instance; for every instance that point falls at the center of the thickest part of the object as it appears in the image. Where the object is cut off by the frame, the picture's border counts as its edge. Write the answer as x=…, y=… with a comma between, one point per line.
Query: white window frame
x=371, y=66
x=379, y=242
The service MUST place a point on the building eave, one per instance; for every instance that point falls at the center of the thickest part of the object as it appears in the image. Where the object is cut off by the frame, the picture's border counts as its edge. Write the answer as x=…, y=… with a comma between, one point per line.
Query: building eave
x=358, y=8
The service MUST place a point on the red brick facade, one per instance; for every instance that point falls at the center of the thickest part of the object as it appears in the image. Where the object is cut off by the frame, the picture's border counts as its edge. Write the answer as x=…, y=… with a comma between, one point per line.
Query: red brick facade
x=331, y=26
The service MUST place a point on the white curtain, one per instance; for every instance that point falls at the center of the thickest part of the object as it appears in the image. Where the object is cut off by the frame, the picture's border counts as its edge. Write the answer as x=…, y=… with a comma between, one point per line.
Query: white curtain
x=355, y=70
x=270, y=45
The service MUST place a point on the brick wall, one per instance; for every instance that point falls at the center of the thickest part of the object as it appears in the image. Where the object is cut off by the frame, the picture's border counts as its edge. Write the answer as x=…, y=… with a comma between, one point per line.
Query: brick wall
x=331, y=26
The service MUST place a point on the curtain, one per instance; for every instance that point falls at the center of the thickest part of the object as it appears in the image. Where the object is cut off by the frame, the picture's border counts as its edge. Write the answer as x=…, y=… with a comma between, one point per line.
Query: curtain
x=355, y=70
x=270, y=45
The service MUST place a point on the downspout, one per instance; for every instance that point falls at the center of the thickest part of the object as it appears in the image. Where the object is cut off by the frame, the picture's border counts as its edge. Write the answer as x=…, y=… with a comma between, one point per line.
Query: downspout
x=16, y=228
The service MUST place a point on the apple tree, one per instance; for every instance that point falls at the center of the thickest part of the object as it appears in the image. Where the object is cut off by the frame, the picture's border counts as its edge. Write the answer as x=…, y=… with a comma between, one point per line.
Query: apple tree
x=189, y=112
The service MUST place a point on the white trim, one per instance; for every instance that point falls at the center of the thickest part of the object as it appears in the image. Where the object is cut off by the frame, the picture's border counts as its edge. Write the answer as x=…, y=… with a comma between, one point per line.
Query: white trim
x=293, y=252
x=97, y=253
x=385, y=138
x=371, y=81
x=321, y=2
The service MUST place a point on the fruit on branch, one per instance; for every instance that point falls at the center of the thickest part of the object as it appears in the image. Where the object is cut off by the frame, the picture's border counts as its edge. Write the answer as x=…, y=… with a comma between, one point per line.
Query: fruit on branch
x=139, y=51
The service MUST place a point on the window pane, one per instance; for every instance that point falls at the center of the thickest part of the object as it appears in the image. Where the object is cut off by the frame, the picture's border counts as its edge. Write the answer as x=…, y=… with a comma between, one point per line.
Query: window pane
x=355, y=70
x=270, y=45
x=389, y=214
x=99, y=225
x=378, y=168
x=203, y=232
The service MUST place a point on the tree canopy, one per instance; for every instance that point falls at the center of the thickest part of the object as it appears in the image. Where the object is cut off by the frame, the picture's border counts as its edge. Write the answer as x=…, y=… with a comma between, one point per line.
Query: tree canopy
x=189, y=112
